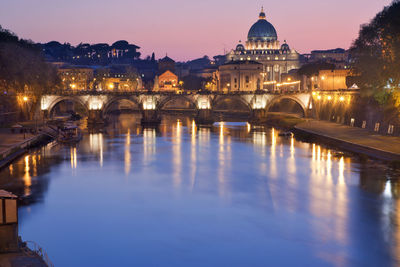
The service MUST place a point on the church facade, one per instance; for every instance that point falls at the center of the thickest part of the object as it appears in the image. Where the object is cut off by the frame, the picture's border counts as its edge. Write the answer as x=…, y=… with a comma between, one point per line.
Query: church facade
x=262, y=46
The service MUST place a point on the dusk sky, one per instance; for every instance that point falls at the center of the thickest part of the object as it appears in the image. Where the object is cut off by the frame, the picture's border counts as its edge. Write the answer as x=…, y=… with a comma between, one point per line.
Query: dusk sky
x=188, y=29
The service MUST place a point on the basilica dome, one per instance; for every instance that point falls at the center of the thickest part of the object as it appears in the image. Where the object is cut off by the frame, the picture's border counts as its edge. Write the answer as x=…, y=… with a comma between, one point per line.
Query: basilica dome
x=262, y=30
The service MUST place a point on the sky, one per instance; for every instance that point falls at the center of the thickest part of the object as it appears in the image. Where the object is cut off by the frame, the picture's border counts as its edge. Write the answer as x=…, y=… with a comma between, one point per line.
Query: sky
x=186, y=29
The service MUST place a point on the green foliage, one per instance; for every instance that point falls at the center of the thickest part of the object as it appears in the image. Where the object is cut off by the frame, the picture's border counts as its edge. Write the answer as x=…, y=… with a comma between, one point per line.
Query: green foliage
x=381, y=97
x=376, y=54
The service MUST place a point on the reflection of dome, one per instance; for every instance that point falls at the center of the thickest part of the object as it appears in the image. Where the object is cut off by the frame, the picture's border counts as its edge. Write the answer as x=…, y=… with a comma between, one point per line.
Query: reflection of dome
x=262, y=30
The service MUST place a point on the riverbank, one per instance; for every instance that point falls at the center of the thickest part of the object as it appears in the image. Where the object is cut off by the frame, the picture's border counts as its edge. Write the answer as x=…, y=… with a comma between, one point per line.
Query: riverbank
x=13, y=145
x=21, y=259
x=352, y=139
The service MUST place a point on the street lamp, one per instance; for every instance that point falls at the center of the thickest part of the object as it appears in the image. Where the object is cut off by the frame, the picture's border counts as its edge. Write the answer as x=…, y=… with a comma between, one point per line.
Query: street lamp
x=25, y=99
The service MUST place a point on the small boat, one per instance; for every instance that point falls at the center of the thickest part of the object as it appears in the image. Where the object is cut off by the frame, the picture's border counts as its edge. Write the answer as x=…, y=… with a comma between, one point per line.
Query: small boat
x=69, y=134
x=286, y=134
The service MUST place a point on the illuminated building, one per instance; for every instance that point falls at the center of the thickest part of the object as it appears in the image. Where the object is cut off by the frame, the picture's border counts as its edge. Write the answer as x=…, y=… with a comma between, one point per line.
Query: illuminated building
x=167, y=81
x=262, y=46
x=240, y=76
x=332, y=79
x=339, y=57
x=76, y=78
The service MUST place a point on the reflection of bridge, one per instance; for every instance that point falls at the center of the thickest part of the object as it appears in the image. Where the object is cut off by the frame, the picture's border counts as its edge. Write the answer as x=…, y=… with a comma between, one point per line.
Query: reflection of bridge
x=98, y=104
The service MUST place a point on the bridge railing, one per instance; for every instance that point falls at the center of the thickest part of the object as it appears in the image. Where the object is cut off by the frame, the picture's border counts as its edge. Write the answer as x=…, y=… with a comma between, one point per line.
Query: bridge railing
x=199, y=92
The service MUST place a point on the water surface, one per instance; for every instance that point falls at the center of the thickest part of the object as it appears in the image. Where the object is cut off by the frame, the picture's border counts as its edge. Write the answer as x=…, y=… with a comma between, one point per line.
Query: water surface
x=182, y=195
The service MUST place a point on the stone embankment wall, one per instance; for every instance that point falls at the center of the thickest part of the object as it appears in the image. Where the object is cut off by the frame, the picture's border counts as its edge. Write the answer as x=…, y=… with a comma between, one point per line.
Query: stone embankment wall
x=350, y=109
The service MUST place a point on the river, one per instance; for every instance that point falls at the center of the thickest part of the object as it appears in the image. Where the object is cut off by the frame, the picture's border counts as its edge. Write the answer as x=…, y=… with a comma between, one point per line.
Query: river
x=182, y=195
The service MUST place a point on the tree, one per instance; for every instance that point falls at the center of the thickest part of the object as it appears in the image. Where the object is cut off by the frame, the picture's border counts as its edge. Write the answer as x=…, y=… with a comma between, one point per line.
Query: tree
x=312, y=69
x=23, y=70
x=376, y=56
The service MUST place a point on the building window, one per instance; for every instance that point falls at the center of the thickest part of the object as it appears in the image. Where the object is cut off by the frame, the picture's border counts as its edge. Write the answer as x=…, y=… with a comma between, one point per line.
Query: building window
x=247, y=79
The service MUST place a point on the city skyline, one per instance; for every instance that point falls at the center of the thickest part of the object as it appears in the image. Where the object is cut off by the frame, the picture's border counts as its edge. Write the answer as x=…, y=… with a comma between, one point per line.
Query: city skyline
x=191, y=31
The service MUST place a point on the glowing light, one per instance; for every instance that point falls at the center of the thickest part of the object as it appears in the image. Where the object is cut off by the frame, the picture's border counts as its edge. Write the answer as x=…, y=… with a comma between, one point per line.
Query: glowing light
x=73, y=158
x=25, y=98
x=11, y=168
x=270, y=82
x=27, y=177
x=95, y=105
x=73, y=86
x=127, y=158
x=221, y=133
x=273, y=166
x=341, y=98
x=288, y=83
x=314, y=93
x=329, y=97
x=149, y=104
x=319, y=97
x=313, y=152
x=388, y=189
x=177, y=155
x=323, y=78
x=341, y=171
x=96, y=145
x=193, y=131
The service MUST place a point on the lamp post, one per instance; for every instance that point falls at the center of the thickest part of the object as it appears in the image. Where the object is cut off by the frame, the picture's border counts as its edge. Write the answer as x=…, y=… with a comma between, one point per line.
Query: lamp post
x=25, y=99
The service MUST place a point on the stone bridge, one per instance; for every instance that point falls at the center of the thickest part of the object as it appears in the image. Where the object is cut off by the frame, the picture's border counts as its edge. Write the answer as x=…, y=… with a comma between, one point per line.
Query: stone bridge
x=98, y=104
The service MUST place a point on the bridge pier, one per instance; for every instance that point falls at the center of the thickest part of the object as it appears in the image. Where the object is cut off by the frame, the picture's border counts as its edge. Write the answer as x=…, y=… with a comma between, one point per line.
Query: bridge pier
x=95, y=117
x=259, y=116
x=150, y=117
x=204, y=117
x=45, y=114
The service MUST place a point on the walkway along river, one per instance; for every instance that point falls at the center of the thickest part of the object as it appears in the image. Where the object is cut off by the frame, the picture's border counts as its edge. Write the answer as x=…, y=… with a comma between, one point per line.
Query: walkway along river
x=227, y=195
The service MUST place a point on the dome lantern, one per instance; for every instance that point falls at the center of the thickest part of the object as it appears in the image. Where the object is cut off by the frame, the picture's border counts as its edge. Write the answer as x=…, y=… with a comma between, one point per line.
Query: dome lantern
x=262, y=13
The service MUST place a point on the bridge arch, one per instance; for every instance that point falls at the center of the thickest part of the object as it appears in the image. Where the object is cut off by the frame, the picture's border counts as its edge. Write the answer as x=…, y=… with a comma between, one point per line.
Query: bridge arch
x=136, y=103
x=190, y=103
x=226, y=103
x=275, y=105
x=58, y=100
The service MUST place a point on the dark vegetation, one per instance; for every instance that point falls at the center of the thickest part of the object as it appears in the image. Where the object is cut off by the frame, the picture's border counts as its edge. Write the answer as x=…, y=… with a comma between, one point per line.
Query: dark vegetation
x=376, y=62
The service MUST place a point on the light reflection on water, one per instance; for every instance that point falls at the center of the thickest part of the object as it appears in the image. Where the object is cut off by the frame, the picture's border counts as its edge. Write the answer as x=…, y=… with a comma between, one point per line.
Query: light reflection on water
x=227, y=195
